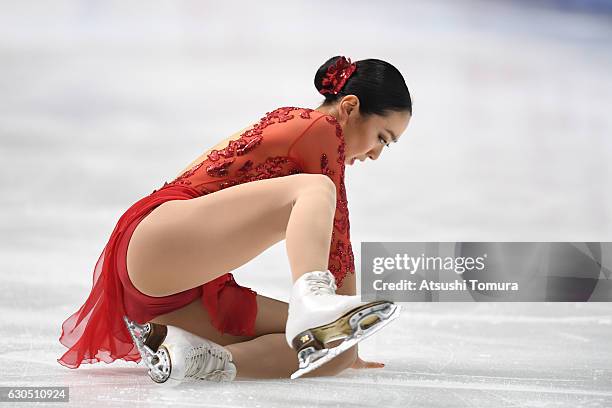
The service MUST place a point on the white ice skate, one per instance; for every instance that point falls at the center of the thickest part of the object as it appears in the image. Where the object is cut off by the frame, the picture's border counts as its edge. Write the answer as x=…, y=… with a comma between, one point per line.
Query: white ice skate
x=173, y=353
x=317, y=316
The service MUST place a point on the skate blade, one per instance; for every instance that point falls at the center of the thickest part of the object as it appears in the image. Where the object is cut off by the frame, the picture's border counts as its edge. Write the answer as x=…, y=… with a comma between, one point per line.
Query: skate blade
x=342, y=327
x=323, y=356
x=154, y=361
x=160, y=367
x=137, y=339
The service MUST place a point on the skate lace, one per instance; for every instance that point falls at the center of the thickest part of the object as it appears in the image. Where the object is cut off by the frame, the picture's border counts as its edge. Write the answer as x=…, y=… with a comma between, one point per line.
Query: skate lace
x=205, y=363
x=322, y=285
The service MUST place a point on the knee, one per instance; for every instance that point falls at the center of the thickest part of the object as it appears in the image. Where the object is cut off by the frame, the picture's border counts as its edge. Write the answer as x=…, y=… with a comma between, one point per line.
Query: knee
x=319, y=182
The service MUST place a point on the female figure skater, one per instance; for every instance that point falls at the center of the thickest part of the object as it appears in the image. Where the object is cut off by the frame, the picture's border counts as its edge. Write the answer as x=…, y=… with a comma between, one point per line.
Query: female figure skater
x=163, y=291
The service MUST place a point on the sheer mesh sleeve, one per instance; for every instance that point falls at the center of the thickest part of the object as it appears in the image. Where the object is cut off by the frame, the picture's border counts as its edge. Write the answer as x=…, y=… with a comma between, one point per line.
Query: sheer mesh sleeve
x=320, y=150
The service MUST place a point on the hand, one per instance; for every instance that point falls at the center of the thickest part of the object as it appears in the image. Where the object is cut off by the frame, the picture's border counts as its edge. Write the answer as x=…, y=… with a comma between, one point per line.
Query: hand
x=359, y=363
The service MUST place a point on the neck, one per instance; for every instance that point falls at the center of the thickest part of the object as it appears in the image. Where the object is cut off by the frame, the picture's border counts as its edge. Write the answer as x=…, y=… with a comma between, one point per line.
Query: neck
x=328, y=110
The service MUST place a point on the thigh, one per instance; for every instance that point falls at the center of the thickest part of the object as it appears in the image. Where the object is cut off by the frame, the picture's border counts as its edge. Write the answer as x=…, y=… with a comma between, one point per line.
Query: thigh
x=271, y=318
x=186, y=243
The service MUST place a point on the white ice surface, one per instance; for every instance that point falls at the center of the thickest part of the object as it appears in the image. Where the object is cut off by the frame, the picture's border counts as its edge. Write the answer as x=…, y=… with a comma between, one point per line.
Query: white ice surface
x=511, y=141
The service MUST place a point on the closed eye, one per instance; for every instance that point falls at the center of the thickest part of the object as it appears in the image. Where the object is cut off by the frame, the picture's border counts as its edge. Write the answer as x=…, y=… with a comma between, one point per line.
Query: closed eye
x=383, y=141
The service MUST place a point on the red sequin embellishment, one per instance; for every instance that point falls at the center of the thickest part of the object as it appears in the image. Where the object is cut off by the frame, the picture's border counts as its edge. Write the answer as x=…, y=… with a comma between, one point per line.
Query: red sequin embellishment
x=336, y=75
x=247, y=141
x=245, y=147
x=341, y=253
x=225, y=168
x=219, y=169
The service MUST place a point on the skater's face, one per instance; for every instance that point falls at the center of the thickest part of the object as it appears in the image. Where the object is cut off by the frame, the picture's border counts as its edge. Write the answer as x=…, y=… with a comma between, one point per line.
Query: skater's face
x=367, y=136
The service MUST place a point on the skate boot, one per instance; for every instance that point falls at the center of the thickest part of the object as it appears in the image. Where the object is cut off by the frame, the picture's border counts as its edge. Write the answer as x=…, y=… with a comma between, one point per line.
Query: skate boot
x=182, y=355
x=147, y=338
x=318, y=316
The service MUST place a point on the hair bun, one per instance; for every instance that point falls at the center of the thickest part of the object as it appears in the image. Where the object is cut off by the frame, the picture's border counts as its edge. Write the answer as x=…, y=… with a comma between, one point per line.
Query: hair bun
x=378, y=85
x=333, y=74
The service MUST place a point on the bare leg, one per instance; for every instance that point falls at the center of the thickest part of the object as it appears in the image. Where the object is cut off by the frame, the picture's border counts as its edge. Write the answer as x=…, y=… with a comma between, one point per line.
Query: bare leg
x=308, y=234
x=269, y=356
x=265, y=355
x=271, y=318
x=186, y=243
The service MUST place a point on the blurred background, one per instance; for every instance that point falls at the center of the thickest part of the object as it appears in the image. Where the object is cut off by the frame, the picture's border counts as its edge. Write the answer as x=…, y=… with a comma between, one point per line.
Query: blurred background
x=510, y=140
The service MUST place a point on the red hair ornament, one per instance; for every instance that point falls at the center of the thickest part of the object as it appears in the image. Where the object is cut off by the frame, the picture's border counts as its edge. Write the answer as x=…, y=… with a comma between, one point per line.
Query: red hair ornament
x=336, y=75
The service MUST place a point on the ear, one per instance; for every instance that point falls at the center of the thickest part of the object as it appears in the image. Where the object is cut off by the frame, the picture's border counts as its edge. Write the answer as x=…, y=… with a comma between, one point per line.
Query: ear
x=349, y=105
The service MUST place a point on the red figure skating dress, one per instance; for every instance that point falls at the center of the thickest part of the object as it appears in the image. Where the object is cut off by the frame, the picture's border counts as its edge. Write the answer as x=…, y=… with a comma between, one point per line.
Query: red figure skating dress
x=286, y=141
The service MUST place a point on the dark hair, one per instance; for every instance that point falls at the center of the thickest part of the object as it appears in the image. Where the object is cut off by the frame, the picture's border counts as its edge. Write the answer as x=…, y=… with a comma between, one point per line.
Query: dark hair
x=379, y=86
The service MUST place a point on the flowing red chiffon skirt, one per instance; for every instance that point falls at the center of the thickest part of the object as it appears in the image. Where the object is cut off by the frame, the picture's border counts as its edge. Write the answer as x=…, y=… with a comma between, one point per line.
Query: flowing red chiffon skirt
x=96, y=332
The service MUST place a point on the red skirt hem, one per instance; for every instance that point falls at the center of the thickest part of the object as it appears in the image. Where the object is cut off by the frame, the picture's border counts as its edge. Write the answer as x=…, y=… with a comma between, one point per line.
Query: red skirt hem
x=96, y=332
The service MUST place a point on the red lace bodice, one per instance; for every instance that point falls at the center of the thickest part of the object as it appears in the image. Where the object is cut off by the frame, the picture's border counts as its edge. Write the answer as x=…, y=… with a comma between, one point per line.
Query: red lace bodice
x=288, y=140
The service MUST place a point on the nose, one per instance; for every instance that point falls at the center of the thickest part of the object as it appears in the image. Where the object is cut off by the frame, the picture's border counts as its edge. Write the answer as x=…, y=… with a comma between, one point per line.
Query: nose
x=374, y=155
